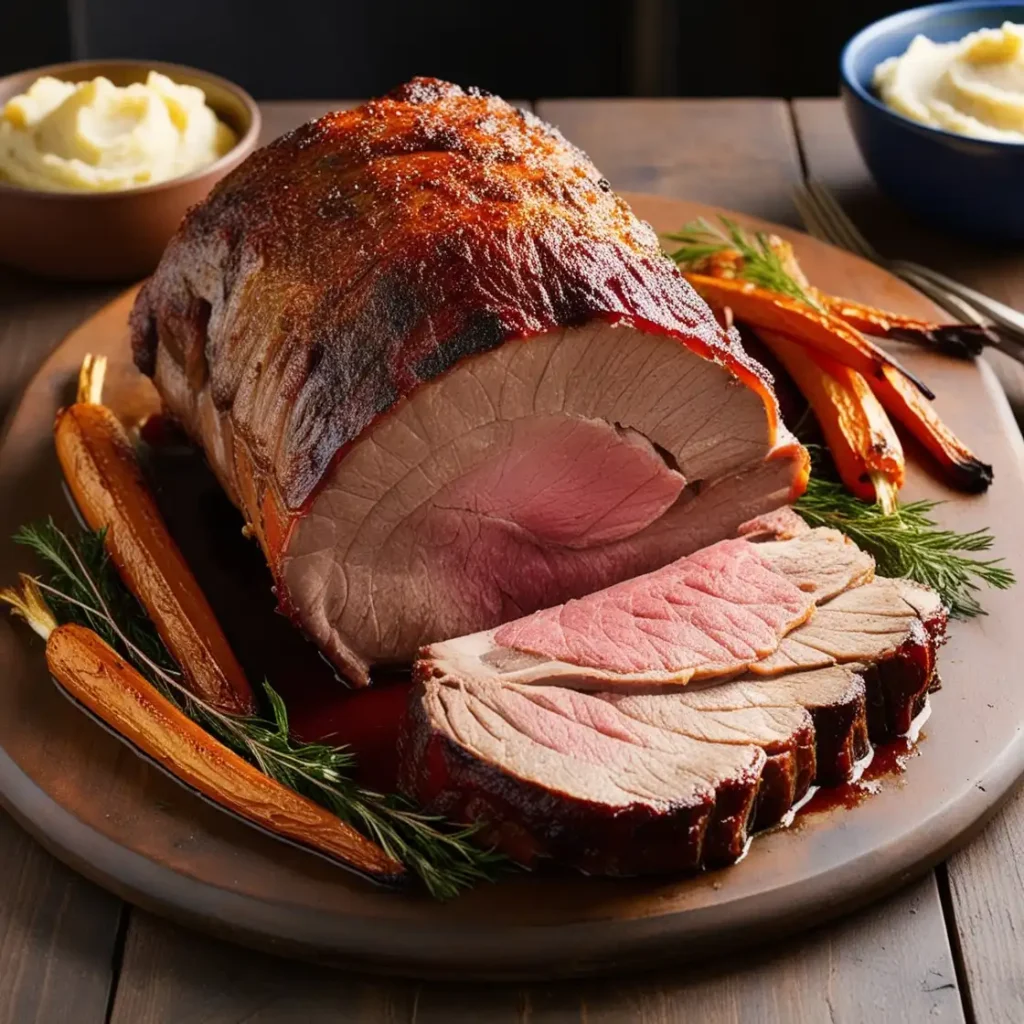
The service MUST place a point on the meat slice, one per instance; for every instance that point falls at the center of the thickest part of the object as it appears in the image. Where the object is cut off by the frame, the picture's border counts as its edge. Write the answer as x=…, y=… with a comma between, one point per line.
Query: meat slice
x=628, y=785
x=612, y=788
x=448, y=377
x=892, y=627
x=780, y=524
x=639, y=780
x=712, y=614
x=856, y=626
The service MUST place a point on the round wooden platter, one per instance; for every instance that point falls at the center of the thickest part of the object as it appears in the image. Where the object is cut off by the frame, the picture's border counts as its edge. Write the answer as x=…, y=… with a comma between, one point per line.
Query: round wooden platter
x=113, y=817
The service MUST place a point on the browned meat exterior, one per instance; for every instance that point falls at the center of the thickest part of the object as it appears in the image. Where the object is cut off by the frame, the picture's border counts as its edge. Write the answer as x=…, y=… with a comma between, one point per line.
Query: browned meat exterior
x=634, y=781
x=549, y=772
x=448, y=376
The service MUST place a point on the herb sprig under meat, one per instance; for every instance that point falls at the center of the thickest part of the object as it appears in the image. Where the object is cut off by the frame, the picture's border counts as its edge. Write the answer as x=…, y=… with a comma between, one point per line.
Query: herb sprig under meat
x=83, y=587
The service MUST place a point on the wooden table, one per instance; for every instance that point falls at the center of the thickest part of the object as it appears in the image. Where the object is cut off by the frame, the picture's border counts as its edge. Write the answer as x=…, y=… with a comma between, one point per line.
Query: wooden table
x=948, y=948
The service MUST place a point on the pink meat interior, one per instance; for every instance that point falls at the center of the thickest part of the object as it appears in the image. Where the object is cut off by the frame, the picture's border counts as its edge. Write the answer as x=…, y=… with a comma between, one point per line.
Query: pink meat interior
x=724, y=603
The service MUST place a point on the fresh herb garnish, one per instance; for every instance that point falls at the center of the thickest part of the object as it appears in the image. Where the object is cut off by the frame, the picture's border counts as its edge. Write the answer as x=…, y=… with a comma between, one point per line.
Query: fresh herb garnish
x=84, y=587
x=759, y=263
x=909, y=543
x=903, y=538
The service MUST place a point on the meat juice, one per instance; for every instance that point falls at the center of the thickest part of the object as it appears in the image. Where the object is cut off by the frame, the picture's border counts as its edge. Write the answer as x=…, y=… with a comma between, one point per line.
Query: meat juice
x=888, y=761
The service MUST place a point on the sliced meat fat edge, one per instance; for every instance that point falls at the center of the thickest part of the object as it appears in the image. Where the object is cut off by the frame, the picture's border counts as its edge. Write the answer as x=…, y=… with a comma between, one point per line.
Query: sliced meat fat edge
x=711, y=615
x=633, y=783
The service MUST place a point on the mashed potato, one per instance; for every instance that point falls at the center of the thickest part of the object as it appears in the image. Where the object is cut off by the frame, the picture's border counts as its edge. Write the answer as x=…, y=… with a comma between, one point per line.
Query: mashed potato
x=96, y=137
x=972, y=87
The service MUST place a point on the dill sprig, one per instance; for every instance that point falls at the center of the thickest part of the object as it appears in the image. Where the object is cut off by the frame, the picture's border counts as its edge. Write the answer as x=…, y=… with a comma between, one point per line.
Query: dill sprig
x=909, y=543
x=760, y=263
x=83, y=587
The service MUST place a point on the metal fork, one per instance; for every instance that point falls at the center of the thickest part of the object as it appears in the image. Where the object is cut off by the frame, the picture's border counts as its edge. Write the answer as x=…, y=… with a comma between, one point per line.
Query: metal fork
x=826, y=219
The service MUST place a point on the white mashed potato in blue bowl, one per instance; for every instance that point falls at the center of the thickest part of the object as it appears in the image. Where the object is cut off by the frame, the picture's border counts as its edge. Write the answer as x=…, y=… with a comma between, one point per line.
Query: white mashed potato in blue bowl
x=935, y=98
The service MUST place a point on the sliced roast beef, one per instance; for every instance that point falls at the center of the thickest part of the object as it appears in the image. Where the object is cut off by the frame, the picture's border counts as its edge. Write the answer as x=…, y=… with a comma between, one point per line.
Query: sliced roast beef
x=892, y=627
x=643, y=780
x=448, y=377
x=855, y=626
x=712, y=614
x=660, y=784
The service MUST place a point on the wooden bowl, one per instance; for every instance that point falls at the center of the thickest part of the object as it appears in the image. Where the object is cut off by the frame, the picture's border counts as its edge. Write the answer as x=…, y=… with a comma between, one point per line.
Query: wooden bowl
x=114, y=236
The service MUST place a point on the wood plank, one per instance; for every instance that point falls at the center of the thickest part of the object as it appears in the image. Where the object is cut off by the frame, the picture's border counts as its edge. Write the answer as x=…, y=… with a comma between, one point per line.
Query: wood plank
x=34, y=317
x=831, y=155
x=985, y=879
x=57, y=931
x=171, y=974
x=735, y=153
x=986, y=887
x=889, y=963
x=58, y=934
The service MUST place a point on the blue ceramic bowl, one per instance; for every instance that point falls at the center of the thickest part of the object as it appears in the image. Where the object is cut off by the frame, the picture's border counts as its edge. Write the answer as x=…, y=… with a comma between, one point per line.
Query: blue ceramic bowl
x=971, y=187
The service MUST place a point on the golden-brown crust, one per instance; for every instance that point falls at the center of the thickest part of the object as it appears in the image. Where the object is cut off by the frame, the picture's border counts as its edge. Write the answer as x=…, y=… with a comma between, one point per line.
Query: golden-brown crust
x=368, y=251
x=95, y=676
x=103, y=474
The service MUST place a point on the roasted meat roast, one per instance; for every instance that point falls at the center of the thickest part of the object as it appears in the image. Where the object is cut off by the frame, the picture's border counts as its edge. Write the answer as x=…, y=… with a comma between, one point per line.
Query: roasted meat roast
x=475, y=418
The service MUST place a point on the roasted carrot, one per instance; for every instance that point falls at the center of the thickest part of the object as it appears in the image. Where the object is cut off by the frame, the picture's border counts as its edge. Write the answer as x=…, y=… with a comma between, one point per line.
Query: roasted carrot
x=92, y=673
x=961, y=340
x=867, y=453
x=813, y=328
x=959, y=466
x=105, y=478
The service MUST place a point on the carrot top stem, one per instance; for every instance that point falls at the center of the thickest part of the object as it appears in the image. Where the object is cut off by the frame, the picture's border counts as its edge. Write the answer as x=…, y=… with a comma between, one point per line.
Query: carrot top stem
x=90, y=379
x=886, y=494
x=29, y=605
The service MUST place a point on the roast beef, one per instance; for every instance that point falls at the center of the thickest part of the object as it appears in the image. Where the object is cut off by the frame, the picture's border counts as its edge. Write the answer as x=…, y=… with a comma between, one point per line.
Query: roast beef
x=712, y=614
x=448, y=377
x=638, y=780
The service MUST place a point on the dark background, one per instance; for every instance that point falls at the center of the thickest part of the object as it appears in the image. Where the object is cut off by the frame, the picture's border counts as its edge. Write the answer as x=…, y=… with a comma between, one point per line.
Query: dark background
x=325, y=48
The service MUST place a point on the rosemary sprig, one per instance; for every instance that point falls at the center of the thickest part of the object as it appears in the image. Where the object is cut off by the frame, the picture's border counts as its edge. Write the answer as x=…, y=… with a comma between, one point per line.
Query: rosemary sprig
x=84, y=587
x=760, y=263
x=72, y=592
x=908, y=543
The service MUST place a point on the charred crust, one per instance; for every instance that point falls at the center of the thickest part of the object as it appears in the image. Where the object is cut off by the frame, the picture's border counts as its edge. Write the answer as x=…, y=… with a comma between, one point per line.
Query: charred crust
x=142, y=325
x=782, y=783
x=485, y=332
x=841, y=738
x=970, y=474
x=898, y=685
x=395, y=239
x=963, y=341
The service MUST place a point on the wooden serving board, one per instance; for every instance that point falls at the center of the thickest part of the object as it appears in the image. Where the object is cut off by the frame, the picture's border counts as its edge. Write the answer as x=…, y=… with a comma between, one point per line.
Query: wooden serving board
x=114, y=818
